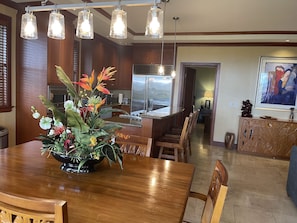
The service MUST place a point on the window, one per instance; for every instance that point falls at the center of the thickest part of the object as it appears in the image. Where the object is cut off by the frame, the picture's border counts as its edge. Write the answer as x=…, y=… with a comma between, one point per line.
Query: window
x=5, y=76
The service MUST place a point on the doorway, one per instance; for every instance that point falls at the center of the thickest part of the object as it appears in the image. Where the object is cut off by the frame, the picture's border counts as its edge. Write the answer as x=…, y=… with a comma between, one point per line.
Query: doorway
x=204, y=97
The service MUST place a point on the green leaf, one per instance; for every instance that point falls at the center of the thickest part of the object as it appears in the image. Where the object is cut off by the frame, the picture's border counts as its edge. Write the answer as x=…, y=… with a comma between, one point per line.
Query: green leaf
x=109, y=152
x=81, y=163
x=67, y=82
x=58, y=114
x=111, y=127
x=74, y=120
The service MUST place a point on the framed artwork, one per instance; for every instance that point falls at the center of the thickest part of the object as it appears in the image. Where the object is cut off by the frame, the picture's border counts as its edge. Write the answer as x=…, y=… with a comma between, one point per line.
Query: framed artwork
x=277, y=83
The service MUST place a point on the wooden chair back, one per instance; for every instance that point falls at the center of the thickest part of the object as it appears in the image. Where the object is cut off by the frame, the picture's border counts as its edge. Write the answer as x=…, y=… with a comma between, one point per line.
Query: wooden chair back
x=185, y=131
x=172, y=147
x=195, y=118
x=137, y=145
x=17, y=208
x=215, y=199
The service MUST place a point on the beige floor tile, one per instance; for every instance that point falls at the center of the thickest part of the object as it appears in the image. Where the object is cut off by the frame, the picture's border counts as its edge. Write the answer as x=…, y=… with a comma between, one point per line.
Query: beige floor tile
x=257, y=185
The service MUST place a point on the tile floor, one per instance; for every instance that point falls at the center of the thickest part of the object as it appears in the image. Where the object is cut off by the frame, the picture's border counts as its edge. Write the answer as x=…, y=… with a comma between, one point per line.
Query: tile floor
x=257, y=185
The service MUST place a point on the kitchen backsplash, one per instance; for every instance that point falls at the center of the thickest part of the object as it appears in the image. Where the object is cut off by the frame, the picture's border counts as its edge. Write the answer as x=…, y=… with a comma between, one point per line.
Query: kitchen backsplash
x=115, y=95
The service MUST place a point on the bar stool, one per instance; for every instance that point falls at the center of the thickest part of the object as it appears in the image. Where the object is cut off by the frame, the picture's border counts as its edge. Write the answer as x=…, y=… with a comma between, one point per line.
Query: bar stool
x=176, y=132
x=173, y=147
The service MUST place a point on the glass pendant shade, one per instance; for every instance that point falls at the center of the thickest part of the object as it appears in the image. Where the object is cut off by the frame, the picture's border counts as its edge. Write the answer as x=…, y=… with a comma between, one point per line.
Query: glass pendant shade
x=173, y=73
x=161, y=70
x=56, y=26
x=29, y=26
x=84, y=29
x=154, y=23
x=118, y=25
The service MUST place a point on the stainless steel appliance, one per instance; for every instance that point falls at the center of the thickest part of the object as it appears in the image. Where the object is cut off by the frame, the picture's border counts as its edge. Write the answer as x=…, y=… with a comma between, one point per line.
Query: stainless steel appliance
x=150, y=91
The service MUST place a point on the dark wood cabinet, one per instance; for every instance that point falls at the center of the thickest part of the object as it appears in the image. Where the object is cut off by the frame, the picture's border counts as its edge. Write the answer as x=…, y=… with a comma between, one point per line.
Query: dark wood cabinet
x=124, y=74
x=151, y=54
x=99, y=53
x=60, y=52
x=271, y=138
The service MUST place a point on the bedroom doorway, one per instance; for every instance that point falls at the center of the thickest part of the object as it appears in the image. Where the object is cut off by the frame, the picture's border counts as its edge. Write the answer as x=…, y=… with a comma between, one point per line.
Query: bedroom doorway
x=202, y=94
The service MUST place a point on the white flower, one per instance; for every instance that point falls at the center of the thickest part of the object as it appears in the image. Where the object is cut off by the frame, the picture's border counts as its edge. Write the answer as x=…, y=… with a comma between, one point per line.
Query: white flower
x=51, y=132
x=57, y=123
x=45, y=123
x=36, y=115
x=69, y=105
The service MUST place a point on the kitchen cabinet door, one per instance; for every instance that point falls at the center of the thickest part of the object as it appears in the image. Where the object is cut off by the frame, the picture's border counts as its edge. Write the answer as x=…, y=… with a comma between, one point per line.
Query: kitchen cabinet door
x=124, y=74
x=60, y=52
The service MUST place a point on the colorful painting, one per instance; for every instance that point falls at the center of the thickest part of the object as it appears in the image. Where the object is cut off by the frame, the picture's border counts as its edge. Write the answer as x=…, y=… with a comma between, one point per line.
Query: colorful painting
x=277, y=83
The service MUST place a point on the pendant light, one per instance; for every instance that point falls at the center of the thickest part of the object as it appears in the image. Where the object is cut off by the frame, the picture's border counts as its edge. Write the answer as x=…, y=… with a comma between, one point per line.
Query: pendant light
x=173, y=72
x=118, y=25
x=161, y=69
x=154, y=22
x=84, y=29
x=29, y=26
x=56, y=25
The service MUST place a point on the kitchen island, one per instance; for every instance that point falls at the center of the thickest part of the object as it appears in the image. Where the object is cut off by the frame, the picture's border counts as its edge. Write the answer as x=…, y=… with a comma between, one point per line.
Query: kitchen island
x=151, y=124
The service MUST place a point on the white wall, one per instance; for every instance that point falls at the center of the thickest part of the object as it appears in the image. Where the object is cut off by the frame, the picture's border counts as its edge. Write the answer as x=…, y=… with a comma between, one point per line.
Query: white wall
x=238, y=80
x=8, y=119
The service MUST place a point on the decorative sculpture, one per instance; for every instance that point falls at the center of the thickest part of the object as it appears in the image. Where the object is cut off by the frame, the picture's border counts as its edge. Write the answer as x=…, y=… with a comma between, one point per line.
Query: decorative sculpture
x=246, y=109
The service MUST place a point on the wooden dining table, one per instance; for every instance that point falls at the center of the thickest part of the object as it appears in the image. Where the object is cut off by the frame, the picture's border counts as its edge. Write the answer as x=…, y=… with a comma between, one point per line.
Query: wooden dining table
x=146, y=190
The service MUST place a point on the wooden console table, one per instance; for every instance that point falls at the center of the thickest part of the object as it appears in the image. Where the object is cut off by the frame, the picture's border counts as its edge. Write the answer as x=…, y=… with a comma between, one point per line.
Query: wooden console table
x=266, y=137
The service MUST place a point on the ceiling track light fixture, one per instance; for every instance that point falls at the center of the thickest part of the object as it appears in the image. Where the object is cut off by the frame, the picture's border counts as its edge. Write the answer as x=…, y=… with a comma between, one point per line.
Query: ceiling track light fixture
x=173, y=72
x=84, y=30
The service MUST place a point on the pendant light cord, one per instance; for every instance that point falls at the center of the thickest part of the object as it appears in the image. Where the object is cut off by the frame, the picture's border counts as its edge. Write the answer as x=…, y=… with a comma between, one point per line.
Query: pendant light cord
x=174, y=50
x=162, y=49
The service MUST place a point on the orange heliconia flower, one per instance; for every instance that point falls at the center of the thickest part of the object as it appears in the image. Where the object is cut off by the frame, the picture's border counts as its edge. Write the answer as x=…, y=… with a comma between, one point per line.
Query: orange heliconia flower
x=86, y=82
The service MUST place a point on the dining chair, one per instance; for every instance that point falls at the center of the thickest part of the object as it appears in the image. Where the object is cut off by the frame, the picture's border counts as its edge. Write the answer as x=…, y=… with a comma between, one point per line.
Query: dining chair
x=138, y=145
x=215, y=198
x=17, y=208
x=176, y=132
x=174, y=148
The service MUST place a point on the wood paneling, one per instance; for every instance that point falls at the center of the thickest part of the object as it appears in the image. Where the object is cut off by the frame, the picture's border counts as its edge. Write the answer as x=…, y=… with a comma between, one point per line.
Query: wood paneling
x=35, y=70
x=60, y=52
x=124, y=74
x=151, y=54
x=31, y=81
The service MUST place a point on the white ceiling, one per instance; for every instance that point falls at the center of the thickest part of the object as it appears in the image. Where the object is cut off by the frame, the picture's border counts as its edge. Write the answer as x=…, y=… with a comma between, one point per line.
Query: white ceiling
x=210, y=21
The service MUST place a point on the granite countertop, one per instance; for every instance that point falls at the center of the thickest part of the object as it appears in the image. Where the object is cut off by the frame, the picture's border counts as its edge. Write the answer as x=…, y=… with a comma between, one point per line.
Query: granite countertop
x=114, y=105
x=124, y=121
x=162, y=112
x=155, y=114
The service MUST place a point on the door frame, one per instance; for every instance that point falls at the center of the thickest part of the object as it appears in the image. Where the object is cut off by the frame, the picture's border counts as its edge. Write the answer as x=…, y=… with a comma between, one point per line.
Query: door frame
x=217, y=66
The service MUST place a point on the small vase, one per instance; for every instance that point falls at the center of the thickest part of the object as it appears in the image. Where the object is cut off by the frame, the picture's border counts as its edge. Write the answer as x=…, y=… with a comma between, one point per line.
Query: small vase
x=72, y=167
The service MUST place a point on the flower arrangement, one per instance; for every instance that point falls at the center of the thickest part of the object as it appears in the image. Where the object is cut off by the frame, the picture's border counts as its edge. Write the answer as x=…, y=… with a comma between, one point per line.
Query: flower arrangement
x=78, y=132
